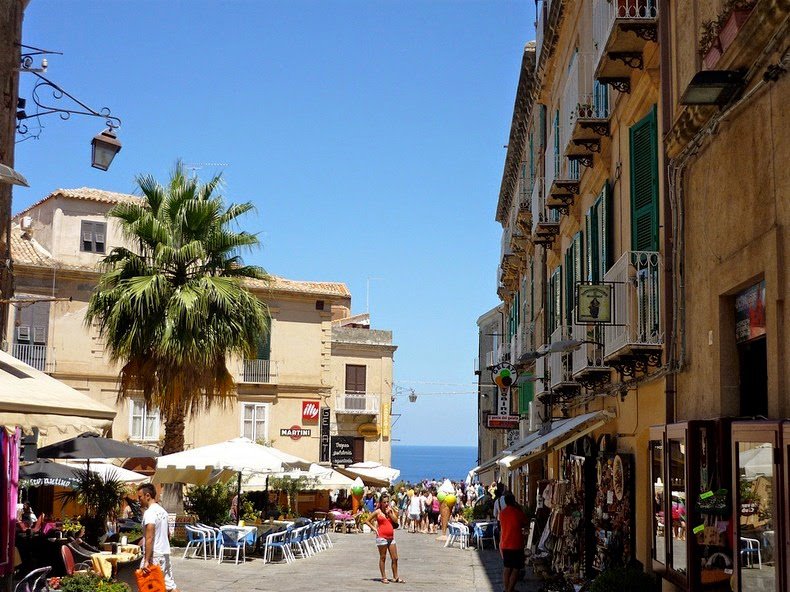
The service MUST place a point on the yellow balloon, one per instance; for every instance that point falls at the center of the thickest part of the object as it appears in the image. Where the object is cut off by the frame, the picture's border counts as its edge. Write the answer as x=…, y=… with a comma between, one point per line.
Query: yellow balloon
x=449, y=499
x=411, y=492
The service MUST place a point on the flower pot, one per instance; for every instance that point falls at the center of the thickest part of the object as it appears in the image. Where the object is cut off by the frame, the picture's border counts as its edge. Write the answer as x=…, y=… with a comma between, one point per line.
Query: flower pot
x=713, y=55
x=730, y=29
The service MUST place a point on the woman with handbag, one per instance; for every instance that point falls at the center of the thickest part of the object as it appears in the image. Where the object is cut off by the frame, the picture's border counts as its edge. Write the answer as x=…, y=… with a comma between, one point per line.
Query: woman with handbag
x=383, y=521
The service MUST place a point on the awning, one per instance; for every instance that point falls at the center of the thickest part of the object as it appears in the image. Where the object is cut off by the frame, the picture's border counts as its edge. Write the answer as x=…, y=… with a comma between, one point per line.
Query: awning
x=372, y=473
x=320, y=479
x=562, y=432
x=29, y=398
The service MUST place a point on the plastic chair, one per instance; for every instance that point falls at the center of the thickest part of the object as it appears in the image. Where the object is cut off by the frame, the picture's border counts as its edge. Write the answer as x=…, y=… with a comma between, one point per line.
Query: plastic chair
x=750, y=548
x=196, y=540
x=484, y=531
x=68, y=562
x=35, y=581
x=213, y=537
x=299, y=541
x=278, y=540
x=231, y=541
x=452, y=534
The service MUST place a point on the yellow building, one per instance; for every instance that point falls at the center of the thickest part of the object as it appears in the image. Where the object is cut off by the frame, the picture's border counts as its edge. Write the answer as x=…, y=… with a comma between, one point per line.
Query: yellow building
x=319, y=364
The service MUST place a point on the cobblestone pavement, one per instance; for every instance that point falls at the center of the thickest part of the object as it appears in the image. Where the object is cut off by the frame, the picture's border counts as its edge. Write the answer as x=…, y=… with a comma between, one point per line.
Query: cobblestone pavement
x=352, y=565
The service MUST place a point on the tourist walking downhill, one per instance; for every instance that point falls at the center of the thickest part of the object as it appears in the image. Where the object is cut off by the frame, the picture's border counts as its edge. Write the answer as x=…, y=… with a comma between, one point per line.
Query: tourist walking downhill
x=383, y=522
x=156, y=541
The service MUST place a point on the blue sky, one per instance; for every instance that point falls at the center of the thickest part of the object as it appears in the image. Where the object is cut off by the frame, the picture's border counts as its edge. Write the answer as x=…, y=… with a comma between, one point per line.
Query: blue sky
x=369, y=135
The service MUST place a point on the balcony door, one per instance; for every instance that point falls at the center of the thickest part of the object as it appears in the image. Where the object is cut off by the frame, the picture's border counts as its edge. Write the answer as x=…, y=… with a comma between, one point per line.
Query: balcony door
x=356, y=378
x=31, y=332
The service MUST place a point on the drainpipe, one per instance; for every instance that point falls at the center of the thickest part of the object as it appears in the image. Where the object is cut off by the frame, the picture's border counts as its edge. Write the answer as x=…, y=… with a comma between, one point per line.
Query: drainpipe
x=670, y=383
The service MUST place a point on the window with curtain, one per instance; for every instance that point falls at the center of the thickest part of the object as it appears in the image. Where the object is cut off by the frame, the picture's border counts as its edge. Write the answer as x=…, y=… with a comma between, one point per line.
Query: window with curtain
x=143, y=422
x=254, y=417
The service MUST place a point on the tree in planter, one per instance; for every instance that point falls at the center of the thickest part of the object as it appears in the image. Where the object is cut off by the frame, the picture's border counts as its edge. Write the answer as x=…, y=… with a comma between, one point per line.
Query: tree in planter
x=291, y=487
x=210, y=503
x=172, y=307
x=102, y=498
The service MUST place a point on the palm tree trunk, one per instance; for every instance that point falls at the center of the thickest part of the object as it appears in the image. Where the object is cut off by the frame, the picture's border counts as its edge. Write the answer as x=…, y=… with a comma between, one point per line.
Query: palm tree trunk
x=173, y=493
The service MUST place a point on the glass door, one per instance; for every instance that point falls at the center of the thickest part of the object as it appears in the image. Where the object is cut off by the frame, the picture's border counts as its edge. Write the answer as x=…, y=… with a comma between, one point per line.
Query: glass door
x=757, y=483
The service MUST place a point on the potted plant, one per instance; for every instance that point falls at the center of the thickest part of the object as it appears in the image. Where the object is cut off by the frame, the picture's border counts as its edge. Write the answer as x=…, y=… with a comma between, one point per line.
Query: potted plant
x=210, y=503
x=736, y=12
x=709, y=44
x=102, y=497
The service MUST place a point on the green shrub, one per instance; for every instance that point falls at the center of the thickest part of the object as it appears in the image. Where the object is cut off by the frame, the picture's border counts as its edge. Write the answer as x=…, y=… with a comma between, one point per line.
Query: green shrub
x=90, y=583
x=210, y=503
x=484, y=508
x=469, y=513
x=623, y=579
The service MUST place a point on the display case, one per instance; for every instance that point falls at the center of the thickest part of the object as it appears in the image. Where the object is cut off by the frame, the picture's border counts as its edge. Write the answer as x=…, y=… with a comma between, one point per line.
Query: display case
x=692, y=530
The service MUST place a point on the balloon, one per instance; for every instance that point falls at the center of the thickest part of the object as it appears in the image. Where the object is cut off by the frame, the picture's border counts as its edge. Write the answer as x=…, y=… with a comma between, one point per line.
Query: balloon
x=449, y=499
x=411, y=492
x=441, y=495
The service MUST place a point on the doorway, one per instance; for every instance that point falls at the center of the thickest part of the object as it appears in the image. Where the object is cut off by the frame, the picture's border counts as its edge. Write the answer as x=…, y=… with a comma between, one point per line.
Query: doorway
x=753, y=364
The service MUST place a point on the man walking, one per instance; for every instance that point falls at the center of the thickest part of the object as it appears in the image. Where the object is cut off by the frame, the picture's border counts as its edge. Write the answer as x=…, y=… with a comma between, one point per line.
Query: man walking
x=156, y=539
x=512, y=521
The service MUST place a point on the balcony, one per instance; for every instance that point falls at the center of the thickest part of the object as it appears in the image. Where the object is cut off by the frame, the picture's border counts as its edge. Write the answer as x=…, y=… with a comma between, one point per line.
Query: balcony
x=560, y=367
x=541, y=377
x=545, y=222
x=357, y=403
x=39, y=357
x=636, y=334
x=540, y=27
x=621, y=28
x=588, y=366
x=509, y=261
x=258, y=372
x=587, y=105
x=524, y=212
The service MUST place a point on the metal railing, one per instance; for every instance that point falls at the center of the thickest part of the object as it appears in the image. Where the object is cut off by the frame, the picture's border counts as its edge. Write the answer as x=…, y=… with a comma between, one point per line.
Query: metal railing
x=589, y=355
x=540, y=213
x=606, y=13
x=636, y=278
x=552, y=160
x=357, y=403
x=583, y=97
x=259, y=372
x=560, y=370
x=38, y=356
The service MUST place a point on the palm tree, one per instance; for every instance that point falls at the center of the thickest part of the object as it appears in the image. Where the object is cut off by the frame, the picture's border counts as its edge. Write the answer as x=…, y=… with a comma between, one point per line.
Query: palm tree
x=174, y=306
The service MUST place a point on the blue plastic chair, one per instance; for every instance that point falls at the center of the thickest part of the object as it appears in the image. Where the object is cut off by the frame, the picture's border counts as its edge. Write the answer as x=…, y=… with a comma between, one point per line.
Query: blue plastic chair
x=278, y=540
x=486, y=532
x=232, y=542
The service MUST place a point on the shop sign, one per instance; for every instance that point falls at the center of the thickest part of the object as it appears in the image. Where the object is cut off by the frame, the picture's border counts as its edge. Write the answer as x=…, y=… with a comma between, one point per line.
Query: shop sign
x=503, y=421
x=324, y=429
x=295, y=432
x=504, y=375
x=385, y=419
x=342, y=450
x=309, y=411
x=750, y=313
x=50, y=481
x=368, y=430
x=593, y=303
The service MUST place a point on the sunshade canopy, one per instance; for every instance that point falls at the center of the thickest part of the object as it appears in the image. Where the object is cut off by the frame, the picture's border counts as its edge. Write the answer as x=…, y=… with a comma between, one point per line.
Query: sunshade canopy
x=91, y=445
x=29, y=398
x=199, y=465
x=371, y=473
x=321, y=479
x=47, y=472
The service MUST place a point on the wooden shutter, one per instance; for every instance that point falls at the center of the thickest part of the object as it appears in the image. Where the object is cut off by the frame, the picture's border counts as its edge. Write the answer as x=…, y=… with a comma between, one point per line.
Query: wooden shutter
x=265, y=342
x=606, y=232
x=556, y=137
x=526, y=392
x=86, y=236
x=355, y=378
x=570, y=265
x=644, y=184
x=358, y=449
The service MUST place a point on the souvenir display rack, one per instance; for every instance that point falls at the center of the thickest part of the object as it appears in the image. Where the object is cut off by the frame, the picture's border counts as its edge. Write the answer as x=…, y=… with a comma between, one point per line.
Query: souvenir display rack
x=612, y=516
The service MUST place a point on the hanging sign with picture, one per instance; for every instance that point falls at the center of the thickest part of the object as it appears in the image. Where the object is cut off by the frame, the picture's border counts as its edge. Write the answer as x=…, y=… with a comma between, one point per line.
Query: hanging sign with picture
x=593, y=303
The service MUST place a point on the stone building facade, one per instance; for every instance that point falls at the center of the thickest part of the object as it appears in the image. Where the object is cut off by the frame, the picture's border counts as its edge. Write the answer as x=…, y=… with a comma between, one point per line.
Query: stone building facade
x=316, y=357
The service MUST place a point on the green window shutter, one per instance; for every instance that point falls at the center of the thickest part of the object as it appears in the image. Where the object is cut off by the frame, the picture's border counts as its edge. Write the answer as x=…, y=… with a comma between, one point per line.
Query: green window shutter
x=578, y=268
x=556, y=299
x=644, y=183
x=526, y=392
x=264, y=344
x=556, y=133
x=569, y=267
x=588, y=243
x=542, y=124
x=607, y=230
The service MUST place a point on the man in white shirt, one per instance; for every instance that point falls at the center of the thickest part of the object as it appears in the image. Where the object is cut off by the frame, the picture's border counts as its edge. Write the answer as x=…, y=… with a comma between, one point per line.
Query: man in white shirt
x=156, y=534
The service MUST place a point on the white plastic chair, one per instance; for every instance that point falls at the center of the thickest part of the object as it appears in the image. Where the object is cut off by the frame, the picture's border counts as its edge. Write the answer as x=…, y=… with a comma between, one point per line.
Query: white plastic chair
x=750, y=547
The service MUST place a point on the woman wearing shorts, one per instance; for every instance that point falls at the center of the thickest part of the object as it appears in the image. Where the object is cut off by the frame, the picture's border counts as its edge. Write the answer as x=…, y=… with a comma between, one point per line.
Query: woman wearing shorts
x=415, y=508
x=380, y=522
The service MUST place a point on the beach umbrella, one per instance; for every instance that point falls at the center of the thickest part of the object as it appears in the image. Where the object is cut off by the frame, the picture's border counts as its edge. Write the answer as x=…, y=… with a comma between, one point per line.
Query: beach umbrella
x=46, y=472
x=89, y=446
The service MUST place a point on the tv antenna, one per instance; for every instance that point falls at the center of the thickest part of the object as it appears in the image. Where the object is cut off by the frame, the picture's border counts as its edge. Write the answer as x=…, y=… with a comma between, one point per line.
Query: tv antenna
x=196, y=166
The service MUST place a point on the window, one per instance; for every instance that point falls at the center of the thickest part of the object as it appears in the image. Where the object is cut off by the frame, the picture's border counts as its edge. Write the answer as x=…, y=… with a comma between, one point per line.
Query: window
x=554, y=300
x=644, y=183
x=92, y=236
x=355, y=378
x=254, y=421
x=598, y=224
x=573, y=275
x=143, y=422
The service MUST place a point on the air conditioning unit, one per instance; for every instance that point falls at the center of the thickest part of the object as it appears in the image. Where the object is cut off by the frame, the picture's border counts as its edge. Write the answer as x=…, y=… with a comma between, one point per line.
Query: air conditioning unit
x=23, y=333
x=535, y=420
x=26, y=223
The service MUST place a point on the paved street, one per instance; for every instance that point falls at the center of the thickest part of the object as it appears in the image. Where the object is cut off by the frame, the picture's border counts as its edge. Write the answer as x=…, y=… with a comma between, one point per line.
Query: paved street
x=352, y=565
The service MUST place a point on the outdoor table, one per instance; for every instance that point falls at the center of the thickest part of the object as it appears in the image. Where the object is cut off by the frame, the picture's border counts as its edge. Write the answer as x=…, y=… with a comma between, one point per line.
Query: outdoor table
x=238, y=533
x=106, y=563
x=133, y=549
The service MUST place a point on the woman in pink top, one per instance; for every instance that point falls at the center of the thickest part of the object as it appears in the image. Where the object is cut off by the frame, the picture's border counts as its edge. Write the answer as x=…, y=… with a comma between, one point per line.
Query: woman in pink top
x=381, y=522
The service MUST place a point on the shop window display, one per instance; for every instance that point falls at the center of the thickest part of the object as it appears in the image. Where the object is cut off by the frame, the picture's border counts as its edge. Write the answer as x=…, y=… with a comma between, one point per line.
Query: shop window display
x=678, y=515
x=612, y=516
x=659, y=495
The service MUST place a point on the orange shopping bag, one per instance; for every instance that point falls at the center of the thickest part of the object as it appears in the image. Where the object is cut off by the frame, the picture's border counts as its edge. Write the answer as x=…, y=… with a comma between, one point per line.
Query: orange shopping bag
x=150, y=579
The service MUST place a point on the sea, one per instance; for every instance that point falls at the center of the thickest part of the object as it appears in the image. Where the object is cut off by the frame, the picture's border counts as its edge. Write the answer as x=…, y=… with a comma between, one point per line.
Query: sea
x=433, y=462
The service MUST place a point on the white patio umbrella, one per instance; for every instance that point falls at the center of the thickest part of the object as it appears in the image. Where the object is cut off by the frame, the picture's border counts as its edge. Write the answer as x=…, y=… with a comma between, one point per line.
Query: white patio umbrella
x=374, y=470
x=240, y=455
x=322, y=478
x=106, y=469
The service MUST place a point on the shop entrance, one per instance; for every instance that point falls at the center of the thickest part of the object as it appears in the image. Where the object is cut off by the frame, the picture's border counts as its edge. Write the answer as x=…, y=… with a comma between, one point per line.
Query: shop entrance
x=753, y=363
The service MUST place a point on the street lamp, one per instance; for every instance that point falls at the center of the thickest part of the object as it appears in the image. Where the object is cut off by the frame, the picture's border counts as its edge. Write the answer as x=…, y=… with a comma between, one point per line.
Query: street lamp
x=712, y=87
x=11, y=177
x=104, y=146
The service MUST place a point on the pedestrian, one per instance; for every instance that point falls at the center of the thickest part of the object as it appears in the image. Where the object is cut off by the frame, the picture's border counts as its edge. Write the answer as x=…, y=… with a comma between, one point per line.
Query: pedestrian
x=383, y=522
x=424, y=511
x=156, y=535
x=499, y=499
x=433, y=512
x=404, y=510
x=414, y=510
x=512, y=522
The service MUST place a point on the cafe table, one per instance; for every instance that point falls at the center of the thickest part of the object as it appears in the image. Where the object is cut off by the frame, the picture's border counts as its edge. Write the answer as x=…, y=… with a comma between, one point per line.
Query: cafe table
x=107, y=563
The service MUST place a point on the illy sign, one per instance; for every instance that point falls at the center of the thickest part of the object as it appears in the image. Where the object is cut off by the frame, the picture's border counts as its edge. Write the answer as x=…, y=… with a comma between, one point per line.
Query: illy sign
x=309, y=411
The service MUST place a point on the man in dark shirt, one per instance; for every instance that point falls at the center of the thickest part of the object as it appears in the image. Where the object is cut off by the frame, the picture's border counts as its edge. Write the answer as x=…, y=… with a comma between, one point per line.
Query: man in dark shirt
x=512, y=522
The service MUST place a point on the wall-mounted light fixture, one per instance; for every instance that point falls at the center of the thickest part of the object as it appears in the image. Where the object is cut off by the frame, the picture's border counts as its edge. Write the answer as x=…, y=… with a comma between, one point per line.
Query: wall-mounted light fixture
x=712, y=87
